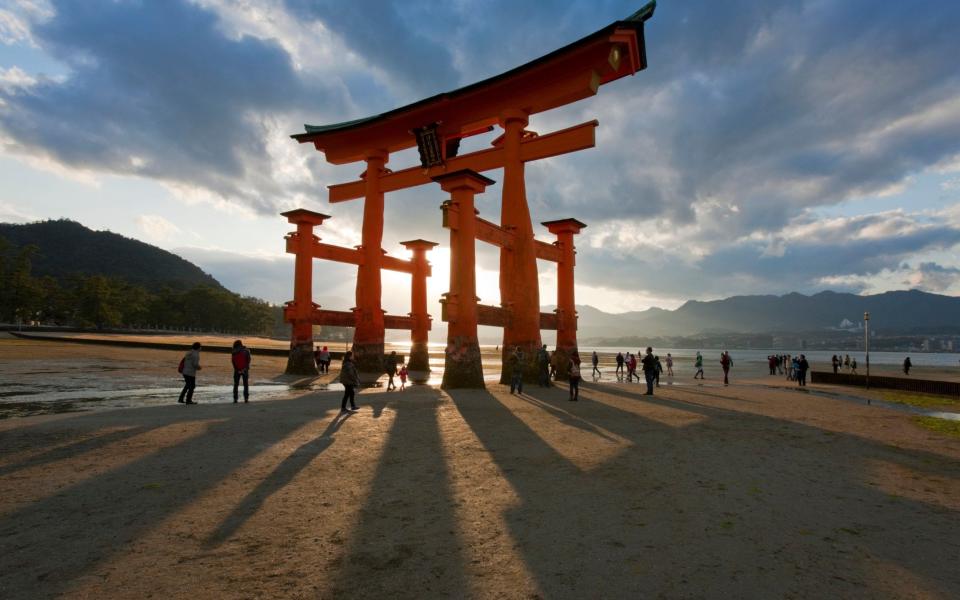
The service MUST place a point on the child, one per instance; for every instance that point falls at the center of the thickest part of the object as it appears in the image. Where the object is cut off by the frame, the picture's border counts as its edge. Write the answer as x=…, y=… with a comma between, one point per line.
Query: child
x=403, y=376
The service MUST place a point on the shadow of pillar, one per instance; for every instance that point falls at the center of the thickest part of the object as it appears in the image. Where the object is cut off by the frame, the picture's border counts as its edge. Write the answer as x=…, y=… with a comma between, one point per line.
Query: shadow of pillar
x=406, y=542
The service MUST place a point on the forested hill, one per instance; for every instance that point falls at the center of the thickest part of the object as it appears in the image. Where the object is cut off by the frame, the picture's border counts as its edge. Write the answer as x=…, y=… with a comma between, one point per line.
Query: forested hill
x=67, y=248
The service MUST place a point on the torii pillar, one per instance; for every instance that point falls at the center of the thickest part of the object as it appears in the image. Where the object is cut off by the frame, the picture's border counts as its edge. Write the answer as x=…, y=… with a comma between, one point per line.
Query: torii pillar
x=462, y=363
x=519, y=287
x=418, y=363
x=368, y=334
x=565, y=229
x=301, y=360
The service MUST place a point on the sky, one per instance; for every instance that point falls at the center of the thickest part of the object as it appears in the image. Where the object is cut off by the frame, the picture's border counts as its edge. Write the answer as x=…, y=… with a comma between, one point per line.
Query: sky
x=769, y=147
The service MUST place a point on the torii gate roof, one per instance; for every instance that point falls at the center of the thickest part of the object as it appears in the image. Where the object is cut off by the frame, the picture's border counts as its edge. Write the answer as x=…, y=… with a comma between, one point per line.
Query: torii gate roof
x=563, y=76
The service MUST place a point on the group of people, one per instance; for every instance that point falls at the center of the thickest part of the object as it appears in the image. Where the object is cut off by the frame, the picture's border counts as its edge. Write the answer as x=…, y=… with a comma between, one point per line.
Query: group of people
x=843, y=363
x=796, y=367
x=240, y=359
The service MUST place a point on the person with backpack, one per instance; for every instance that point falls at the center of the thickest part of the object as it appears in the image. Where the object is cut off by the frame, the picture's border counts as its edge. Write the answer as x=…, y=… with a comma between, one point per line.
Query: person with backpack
x=189, y=365
x=391, y=368
x=240, y=358
x=349, y=379
x=574, y=377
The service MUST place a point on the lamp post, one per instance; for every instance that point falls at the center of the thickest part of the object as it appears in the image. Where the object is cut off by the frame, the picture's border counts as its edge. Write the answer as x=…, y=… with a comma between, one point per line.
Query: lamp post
x=866, y=335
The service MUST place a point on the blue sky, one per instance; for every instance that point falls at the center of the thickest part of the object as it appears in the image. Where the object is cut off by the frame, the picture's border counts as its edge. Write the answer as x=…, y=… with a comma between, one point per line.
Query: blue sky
x=770, y=146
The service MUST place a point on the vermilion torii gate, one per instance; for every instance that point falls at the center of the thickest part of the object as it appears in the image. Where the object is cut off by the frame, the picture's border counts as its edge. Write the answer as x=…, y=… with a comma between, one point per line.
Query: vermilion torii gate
x=436, y=125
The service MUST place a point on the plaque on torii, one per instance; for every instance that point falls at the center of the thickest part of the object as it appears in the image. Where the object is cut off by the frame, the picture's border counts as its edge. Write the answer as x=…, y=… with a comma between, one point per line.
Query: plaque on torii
x=436, y=125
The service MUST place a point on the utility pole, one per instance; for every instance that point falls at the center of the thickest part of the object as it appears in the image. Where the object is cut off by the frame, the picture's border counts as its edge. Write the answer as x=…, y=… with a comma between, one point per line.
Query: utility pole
x=866, y=335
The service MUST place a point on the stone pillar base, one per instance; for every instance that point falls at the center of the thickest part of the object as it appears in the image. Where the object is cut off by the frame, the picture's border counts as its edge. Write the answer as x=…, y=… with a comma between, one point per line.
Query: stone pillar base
x=531, y=373
x=300, y=361
x=418, y=366
x=563, y=363
x=369, y=361
x=462, y=367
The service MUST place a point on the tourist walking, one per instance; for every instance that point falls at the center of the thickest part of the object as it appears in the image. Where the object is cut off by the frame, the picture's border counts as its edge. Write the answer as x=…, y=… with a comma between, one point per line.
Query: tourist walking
x=240, y=359
x=390, y=366
x=698, y=365
x=906, y=365
x=403, y=376
x=543, y=367
x=853, y=366
x=725, y=363
x=669, y=365
x=574, y=377
x=835, y=362
x=516, y=373
x=632, y=367
x=802, y=367
x=846, y=362
x=619, y=370
x=596, y=361
x=189, y=365
x=649, y=363
x=350, y=379
x=657, y=371
x=772, y=364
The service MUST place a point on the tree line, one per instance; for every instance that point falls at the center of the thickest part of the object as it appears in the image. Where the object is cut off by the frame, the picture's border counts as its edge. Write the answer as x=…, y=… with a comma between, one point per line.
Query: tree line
x=99, y=301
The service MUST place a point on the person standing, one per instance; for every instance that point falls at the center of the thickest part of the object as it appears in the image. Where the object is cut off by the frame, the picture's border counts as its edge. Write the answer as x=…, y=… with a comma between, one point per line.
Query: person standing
x=658, y=371
x=619, y=371
x=698, y=364
x=835, y=362
x=669, y=365
x=725, y=364
x=323, y=360
x=595, y=359
x=516, y=374
x=390, y=365
x=649, y=363
x=906, y=365
x=191, y=364
x=846, y=362
x=543, y=367
x=241, y=359
x=574, y=377
x=350, y=379
x=802, y=367
x=853, y=366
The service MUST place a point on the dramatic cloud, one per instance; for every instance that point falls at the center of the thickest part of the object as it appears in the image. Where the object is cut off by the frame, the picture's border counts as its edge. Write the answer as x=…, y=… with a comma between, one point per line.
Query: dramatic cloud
x=713, y=167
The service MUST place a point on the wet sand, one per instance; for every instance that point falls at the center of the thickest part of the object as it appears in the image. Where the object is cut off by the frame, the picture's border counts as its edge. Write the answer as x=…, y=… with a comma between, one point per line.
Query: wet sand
x=698, y=491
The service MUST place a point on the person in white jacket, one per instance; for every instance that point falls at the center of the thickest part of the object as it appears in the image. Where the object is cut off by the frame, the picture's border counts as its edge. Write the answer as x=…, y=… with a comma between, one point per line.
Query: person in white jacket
x=191, y=364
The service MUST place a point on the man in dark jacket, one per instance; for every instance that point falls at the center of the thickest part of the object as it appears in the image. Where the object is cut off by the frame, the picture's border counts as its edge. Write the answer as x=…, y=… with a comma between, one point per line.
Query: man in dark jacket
x=802, y=367
x=649, y=362
x=241, y=370
x=350, y=379
x=391, y=366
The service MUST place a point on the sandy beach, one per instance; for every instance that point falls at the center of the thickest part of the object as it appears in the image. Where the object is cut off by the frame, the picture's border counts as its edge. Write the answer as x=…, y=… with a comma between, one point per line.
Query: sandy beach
x=701, y=491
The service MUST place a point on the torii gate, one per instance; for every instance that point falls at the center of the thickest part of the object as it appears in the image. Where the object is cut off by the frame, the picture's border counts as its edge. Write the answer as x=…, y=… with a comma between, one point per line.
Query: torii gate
x=436, y=125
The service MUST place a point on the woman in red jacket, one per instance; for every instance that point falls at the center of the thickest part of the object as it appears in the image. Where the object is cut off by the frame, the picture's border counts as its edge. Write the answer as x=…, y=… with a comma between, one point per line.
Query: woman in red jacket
x=241, y=369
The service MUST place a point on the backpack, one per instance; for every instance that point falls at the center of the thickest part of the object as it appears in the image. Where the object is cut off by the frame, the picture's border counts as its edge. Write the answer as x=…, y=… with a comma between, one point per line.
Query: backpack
x=180, y=366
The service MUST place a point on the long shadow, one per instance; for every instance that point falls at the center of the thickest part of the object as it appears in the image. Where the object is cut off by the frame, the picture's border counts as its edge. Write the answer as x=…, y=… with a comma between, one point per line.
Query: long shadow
x=275, y=481
x=405, y=543
x=732, y=505
x=564, y=416
x=98, y=517
x=71, y=450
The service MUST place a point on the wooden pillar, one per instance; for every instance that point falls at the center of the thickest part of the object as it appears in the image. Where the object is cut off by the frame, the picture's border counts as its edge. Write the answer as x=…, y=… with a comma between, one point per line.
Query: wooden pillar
x=368, y=334
x=462, y=364
x=519, y=287
x=565, y=229
x=418, y=363
x=300, y=312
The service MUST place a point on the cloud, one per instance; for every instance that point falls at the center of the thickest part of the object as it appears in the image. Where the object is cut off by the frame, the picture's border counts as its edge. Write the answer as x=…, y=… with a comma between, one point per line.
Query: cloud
x=157, y=90
x=710, y=165
x=10, y=213
x=157, y=228
x=933, y=277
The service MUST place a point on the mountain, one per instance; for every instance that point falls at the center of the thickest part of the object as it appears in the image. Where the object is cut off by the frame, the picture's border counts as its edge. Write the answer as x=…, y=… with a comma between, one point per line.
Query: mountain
x=901, y=311
x=68, y=248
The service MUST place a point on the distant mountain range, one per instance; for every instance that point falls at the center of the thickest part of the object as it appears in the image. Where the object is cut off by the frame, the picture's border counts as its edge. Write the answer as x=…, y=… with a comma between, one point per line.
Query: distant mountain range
x=900, y=311
x=68, y=248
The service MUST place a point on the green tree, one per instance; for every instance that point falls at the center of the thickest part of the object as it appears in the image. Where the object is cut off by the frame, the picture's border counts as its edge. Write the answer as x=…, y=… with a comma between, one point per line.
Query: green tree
x=98, y=302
